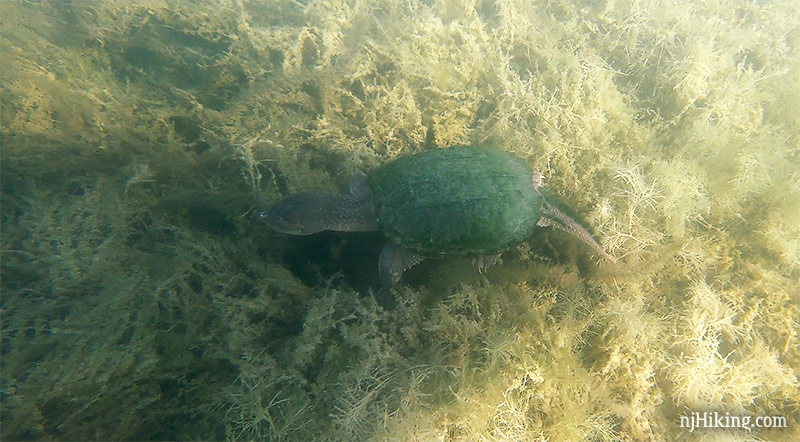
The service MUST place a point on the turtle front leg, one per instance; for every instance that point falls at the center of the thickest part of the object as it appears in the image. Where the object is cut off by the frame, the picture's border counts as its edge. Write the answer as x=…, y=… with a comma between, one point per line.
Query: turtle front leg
x=486, y=261
x=394, y=261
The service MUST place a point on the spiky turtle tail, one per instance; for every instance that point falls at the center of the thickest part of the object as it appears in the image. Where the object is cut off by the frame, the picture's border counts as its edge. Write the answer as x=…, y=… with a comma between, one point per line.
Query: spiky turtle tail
x=552, y=216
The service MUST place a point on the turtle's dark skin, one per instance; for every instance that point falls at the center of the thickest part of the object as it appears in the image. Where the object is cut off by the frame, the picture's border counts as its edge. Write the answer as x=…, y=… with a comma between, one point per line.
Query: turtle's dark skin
x=466, y=201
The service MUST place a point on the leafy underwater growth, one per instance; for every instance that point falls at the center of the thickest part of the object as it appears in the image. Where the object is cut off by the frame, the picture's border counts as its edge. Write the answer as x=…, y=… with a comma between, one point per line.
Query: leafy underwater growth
x=141, y=302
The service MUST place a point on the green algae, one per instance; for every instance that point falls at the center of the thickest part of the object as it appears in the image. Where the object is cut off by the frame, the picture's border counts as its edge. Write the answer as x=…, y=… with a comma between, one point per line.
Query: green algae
x=140, y=300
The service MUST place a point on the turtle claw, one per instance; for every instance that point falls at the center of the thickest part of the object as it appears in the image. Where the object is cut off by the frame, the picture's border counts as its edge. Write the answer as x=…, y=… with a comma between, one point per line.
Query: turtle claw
x=395, y=260
x=486, y=261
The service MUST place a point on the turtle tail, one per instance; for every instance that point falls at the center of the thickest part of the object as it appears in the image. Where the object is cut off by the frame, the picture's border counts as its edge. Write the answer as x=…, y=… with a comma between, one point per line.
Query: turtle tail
x=553, y=216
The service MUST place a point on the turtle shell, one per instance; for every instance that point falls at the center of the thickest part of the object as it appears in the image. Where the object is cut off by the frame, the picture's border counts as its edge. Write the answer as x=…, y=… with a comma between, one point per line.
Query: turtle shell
x=462, y=201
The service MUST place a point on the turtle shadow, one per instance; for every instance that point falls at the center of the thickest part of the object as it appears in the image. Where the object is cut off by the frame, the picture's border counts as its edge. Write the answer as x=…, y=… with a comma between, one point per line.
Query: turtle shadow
x=316, y=259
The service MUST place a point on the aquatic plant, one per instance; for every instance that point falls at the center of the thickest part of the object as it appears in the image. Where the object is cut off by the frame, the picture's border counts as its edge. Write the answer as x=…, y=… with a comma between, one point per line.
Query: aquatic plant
x=141, y=301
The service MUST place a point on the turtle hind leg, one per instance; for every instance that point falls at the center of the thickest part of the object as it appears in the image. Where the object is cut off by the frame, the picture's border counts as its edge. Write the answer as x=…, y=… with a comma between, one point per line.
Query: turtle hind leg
x=552, y=216
x=395, y=260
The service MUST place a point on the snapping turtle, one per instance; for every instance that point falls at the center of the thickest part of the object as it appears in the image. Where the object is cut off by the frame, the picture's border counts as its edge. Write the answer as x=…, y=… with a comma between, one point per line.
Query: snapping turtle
x=463, y=201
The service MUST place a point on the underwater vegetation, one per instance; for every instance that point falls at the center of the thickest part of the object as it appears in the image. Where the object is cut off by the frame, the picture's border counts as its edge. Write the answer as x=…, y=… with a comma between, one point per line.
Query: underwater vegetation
x=141, y=299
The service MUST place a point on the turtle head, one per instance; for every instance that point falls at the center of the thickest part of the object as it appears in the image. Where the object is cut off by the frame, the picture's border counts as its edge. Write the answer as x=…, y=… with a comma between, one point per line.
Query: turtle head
x=307, y=213
x=297, y=214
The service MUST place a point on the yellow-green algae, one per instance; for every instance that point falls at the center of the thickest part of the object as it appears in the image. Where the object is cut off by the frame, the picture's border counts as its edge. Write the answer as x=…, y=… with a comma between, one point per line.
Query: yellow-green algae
x=140, y=301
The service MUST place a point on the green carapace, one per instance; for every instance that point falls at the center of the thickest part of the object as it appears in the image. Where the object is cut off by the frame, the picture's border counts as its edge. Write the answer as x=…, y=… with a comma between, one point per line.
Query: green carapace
x=464, y=201
x=467, y=201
